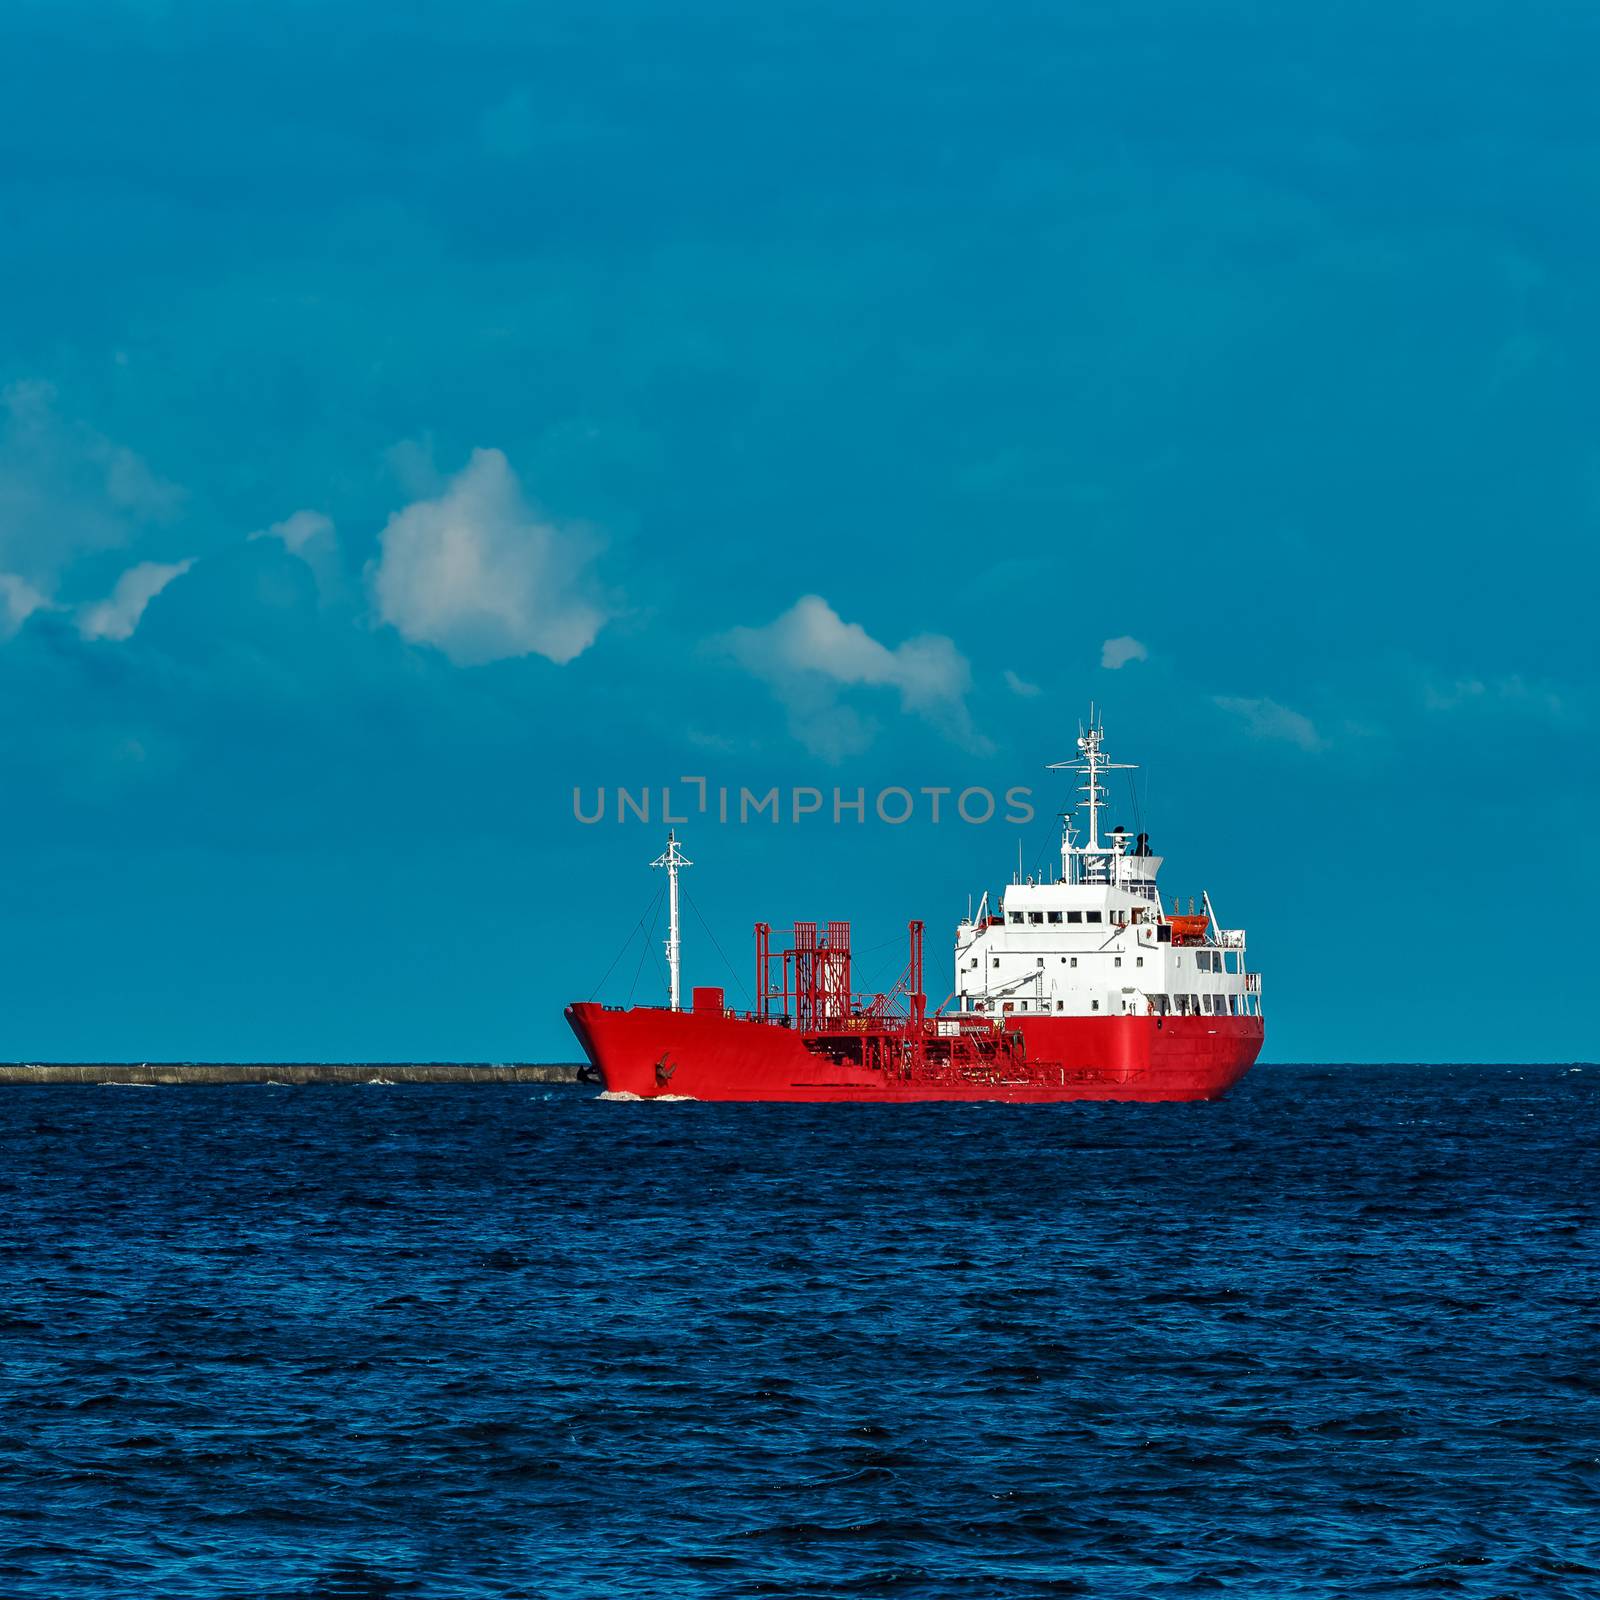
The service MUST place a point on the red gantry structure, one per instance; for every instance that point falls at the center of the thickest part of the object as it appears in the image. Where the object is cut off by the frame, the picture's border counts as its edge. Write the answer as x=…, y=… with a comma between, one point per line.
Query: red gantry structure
x=1079, y=987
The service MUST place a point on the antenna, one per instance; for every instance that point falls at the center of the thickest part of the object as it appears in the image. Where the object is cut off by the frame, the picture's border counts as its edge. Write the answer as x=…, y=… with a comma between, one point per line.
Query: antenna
x=1091, y=762
x=673, y=858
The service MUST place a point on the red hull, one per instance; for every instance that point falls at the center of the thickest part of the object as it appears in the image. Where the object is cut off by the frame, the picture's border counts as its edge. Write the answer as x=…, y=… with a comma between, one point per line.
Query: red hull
x=650, y=1052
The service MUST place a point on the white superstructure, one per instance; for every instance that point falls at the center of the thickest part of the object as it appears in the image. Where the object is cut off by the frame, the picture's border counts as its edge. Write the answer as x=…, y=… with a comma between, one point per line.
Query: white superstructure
x=1095, y=941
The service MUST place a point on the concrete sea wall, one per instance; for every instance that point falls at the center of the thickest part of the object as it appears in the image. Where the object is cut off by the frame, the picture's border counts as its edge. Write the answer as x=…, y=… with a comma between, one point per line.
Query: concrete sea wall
x=284, y=1072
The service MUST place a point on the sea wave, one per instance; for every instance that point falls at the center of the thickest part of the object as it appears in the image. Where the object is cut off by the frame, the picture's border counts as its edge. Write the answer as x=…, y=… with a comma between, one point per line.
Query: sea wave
x=479, y=1342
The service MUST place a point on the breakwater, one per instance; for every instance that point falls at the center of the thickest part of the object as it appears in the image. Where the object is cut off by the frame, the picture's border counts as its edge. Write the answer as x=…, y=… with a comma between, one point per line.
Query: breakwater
x=286, y=1073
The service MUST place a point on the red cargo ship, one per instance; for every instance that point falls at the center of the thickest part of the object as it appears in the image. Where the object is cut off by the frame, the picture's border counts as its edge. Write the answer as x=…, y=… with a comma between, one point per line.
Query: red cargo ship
x=1079, y=987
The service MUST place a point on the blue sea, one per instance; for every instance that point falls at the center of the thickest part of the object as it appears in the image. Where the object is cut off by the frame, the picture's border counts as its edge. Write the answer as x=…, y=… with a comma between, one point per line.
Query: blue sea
x=1333, y=1336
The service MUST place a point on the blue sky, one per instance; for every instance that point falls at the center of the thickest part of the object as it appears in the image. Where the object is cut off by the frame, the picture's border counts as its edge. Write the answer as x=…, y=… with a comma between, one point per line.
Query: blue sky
x=413, y=413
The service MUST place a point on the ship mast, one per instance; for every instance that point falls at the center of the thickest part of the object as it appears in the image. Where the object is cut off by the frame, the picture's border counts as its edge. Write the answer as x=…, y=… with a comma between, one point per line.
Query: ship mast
x=672, y=858
x=1091, y=762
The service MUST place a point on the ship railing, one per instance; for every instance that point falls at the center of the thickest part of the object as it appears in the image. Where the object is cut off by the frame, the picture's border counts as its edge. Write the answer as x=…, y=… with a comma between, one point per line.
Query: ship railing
x=822, y=1022
x=947, y=1026
x=1231, y=938
x=730, y=1013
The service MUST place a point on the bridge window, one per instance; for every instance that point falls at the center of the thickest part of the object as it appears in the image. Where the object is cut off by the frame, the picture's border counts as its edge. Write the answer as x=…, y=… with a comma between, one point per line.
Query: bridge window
x=1016, y=916
x=1055, y=916
x=1094, y=916
x=1036, y=917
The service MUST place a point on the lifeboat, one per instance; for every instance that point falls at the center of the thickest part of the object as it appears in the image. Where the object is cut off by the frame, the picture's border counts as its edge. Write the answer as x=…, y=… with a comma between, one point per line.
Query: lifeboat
x=1190, y=929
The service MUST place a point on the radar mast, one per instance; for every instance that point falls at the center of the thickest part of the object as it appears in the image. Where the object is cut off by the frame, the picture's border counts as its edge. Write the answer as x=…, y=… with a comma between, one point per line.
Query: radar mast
x=1090, y=861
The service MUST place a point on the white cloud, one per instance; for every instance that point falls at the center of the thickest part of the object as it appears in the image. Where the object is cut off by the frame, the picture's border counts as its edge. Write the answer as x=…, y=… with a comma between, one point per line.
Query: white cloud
x=1021, y=686
x=132, y=487
x=18, y=601
x=475, y=573
x=65, y=489
x=812, y=637
x=1118, y=652
x=1266, y=719
x=809, y=654
x=1514, y=694
x=118, y=615
x=412, y=465
x=298, y=531
x=309, y=535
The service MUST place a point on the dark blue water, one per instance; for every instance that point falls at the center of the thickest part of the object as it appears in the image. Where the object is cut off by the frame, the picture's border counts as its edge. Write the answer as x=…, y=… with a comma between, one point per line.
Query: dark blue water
x=1333, y=1336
